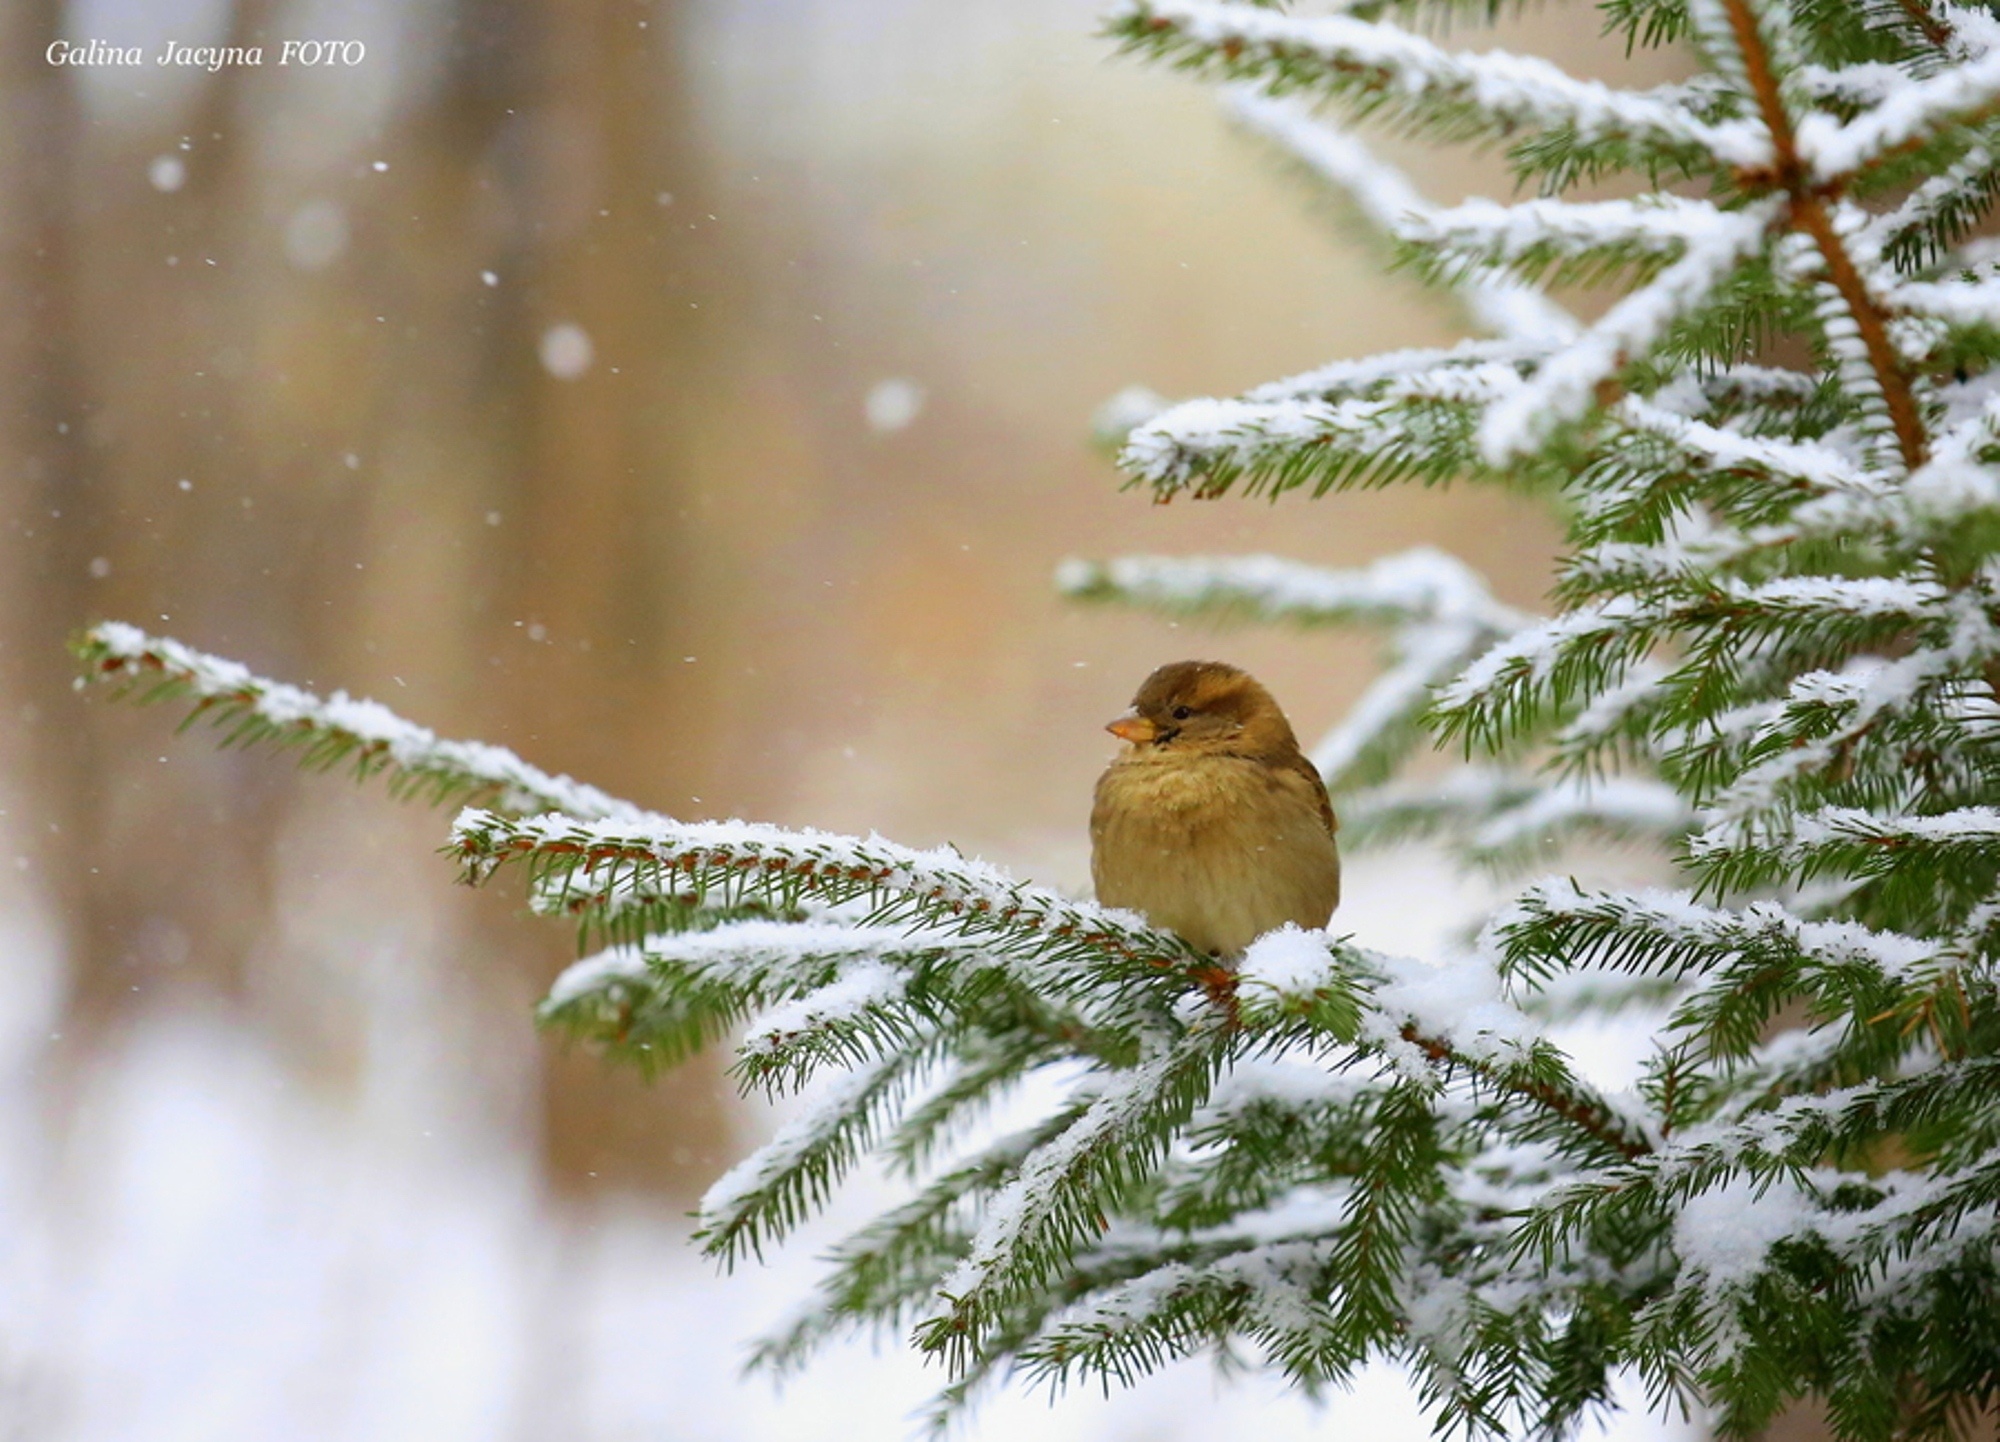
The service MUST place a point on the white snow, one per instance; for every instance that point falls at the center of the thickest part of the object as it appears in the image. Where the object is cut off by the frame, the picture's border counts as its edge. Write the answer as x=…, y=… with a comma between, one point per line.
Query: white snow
x=1507, y=307
x=166, y=173
x=1834, y=149
x=858, y=989
x=316, y=235
x=892, y=404
x=566, y=350
x=1511, y=90
x=1566, y=382
x=1727, y=1231
x=1289, y=961
x=1457, y=1002
x=408, y=744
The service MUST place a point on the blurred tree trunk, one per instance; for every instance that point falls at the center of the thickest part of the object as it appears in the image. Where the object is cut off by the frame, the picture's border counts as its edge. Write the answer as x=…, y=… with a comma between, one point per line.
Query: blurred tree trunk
x=47, y=494
x=345, y=475
x=557, y=129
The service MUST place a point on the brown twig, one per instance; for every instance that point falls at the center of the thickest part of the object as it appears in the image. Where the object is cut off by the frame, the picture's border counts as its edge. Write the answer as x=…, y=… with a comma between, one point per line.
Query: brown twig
x=1808, y=213
x=1935, y=30
x=1586, y=1115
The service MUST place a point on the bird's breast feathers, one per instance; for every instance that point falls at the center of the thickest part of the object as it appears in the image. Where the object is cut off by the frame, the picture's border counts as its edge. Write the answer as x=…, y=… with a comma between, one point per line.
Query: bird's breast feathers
x=1217, y=848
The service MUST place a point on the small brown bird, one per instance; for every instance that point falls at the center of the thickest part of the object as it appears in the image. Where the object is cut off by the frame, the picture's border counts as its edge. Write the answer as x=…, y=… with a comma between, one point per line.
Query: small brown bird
x=1211, y=821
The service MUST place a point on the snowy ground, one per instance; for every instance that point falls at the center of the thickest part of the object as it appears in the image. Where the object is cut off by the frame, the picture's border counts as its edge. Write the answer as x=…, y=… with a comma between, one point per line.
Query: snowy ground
x=209, y=1254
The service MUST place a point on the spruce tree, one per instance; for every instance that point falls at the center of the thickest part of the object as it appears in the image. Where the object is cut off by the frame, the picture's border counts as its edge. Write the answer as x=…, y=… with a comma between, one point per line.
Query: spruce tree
x=1772, y=649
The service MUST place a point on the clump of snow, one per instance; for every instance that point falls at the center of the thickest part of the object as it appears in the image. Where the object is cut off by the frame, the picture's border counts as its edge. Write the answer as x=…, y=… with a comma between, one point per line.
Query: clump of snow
x=409, y=745
x=1289, y=961
x=1726, y=1232
x=316, y=235
x=166, y=173
x=893, y=404
x=595, y=973
x=1132, y=407
x=1457, y=1002
x=566, y=351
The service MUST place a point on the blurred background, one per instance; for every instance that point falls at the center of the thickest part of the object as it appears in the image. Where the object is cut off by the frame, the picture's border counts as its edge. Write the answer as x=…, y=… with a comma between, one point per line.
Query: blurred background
x=694, y=396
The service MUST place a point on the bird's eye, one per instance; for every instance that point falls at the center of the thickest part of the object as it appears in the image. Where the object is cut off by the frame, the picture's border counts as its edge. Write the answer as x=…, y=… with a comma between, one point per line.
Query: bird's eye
x=1181, y=713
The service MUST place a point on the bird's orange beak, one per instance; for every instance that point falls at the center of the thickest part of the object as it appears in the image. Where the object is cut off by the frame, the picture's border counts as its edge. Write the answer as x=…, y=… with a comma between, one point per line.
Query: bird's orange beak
x=1134, y=728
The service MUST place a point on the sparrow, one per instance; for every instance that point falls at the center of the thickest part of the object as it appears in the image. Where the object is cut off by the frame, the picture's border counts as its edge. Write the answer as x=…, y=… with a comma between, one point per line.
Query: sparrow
x=1210, y=821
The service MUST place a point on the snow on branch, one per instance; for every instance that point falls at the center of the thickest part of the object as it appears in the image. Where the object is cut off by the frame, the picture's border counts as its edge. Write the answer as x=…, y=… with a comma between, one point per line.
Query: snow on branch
x=1380, y=69
x=1038, y=1219
x=1816, y=466
x=1885, y=1218
x=338, y=731
x=1272, y=1289
x=1959, y=302
x=1385, y=725
x=1564, y=385
x=1574, y=658
x=1415, y=586
x=1909, y=113
x=1864, y=722
x=1501, y=818
x=1383, y=194
x=833, y=993
x=1417, y=426
x=1938, y=211
x=788, y=1178
x=1962, y=845
x=1419, y=1018
x=1533, y=235
x=1555, y=926
x=1379, y=374
x=1070, y=945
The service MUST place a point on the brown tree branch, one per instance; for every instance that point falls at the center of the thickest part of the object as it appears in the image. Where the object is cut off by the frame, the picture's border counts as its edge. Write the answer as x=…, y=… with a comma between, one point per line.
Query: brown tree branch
x=1935, y=30
x=1807, y=212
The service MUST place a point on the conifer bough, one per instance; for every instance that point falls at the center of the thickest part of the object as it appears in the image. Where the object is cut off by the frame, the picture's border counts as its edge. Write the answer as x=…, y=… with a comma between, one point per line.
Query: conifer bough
x=1772, y=654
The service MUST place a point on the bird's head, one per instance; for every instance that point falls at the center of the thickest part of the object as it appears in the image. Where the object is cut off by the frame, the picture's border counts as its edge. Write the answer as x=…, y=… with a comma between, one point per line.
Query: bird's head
x=1205, y=706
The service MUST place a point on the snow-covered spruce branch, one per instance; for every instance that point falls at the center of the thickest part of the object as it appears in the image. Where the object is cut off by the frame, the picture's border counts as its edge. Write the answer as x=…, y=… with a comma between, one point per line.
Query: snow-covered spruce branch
x=1746, y=964
x=1497, y=818
x=1414, y=587
x=1930, y=865
x=1035, y=1223
x=1379, y=70
x=1418, y=425
x=1071, y=946
x=1750, y=58
x=328, y=733
x=1382, y=729
x=626, y=909
x=1793, y=1138
x=1418, y=1017
x=1559, y=242
x=829, y=993
x=837, y=992
x=1565, y=384
x=1050, y=945
x=1870, y=733
x=885, y=1274
x=1939, y=212
x=1589, y=649
x=1389, y=203
x=1652, y=462
x=790, y=1177
x=1909, y=114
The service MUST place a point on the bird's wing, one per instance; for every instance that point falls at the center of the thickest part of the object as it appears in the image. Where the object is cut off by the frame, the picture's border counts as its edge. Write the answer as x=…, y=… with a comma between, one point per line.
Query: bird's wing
x=1309, y=773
